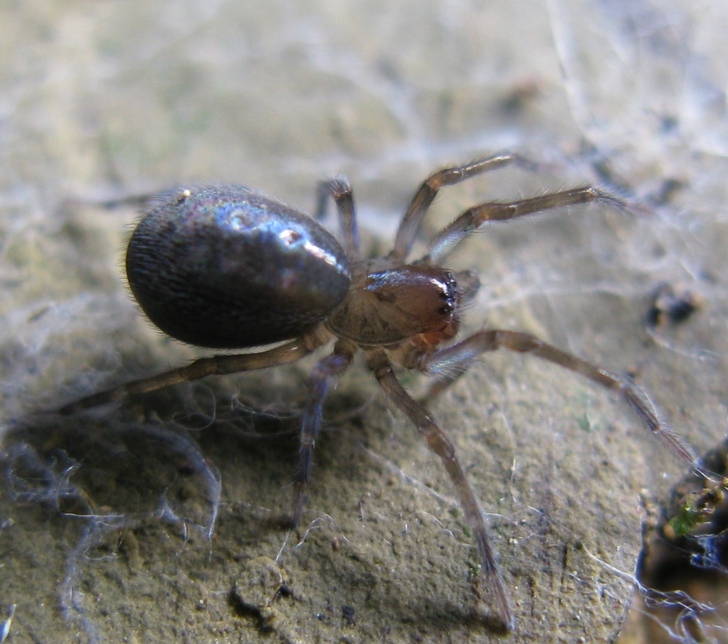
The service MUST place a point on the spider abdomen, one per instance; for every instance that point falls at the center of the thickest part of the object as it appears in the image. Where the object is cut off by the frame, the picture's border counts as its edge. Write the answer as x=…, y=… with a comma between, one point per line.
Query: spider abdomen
x=227, y=267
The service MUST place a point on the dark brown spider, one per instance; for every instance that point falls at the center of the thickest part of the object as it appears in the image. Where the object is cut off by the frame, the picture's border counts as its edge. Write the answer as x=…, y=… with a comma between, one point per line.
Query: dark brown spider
x=226, y=267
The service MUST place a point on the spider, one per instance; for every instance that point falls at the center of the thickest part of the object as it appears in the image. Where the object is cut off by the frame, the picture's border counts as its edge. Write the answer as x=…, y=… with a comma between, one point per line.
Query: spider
x=225, y=267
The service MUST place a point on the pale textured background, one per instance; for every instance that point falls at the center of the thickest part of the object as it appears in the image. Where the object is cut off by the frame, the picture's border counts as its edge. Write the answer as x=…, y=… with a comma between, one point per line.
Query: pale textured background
x=104, y=99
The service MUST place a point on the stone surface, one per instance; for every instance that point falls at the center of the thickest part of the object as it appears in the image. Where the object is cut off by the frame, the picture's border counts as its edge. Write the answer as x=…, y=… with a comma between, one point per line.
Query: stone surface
x=109, y=99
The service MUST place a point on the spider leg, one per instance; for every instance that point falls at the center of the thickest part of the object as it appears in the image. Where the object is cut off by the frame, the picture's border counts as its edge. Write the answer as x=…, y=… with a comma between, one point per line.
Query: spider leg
x=212, y=366
x=441, y=445
x=449, y=363
x=426, y=193
x=341, y=192
x=445, y=242
x=324, y=372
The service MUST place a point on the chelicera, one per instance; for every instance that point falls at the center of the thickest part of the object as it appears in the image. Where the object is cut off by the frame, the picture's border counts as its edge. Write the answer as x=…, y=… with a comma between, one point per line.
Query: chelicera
x=226, y=267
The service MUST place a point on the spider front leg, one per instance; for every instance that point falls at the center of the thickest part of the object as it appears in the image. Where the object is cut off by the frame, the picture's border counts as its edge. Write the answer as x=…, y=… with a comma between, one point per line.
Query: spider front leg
x=324, y=372
x=441, y=445
x=465, y=224
x=449, y=363
x=426, y=193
